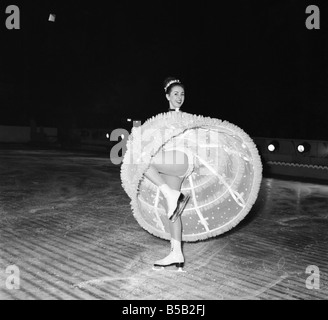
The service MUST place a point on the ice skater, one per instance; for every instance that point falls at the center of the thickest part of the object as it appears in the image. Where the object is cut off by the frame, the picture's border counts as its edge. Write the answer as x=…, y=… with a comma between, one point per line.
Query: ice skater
x=167, y=171
x=189, y=177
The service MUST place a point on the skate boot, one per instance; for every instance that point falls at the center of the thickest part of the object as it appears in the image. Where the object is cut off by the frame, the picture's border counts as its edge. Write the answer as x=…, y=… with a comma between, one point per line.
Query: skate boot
x=176, y=201
x=175, y=258
x=182, y=202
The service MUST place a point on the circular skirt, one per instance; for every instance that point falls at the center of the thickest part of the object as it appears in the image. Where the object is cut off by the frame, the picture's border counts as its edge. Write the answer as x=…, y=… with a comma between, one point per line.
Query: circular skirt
x=223, y=179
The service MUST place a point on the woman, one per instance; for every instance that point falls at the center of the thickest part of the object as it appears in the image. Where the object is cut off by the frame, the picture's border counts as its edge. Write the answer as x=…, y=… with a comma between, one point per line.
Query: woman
x=167, y=171
x=189, y=177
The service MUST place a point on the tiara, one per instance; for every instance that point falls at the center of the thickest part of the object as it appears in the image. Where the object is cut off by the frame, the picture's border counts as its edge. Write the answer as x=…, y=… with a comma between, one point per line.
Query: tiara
x=171, y=82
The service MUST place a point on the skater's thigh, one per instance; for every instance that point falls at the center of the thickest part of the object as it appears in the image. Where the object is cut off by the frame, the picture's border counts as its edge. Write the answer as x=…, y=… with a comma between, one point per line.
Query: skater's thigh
x=173, y=163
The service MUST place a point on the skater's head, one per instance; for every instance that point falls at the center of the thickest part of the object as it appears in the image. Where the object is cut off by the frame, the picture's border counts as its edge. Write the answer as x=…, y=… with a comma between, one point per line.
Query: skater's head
x=174, y=92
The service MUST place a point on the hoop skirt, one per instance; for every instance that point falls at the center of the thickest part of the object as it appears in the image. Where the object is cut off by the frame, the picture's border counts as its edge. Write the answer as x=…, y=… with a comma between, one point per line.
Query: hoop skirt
x=223, y=179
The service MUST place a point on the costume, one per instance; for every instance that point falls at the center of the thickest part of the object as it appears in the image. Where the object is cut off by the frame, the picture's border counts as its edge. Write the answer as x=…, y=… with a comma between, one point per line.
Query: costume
x=223, y=178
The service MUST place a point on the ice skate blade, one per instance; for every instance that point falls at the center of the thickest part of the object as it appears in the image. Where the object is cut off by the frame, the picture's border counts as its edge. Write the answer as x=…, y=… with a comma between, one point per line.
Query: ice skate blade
x=178, y=265
x=158, y=268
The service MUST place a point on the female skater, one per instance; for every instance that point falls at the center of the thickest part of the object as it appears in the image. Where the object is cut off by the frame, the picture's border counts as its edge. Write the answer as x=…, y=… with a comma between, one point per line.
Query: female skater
x=189, y=177
x=167, y=171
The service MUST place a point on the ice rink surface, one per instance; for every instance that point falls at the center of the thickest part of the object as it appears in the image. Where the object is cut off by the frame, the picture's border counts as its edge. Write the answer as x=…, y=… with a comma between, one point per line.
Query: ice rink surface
x=67, y=232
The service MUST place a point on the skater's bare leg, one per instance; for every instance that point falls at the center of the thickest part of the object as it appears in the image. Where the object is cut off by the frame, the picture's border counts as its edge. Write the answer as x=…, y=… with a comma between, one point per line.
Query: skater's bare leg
x=154, y=176
x=173, y=164
x=176, y=255
x=167, y=171
x=175, y=227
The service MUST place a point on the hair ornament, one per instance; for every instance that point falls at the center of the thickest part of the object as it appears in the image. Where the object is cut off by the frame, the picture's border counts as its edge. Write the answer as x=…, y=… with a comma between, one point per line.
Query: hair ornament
x=171, y=82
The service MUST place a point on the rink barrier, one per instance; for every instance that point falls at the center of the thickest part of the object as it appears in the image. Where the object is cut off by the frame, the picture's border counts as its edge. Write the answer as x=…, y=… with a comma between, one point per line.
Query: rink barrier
x=287, y=160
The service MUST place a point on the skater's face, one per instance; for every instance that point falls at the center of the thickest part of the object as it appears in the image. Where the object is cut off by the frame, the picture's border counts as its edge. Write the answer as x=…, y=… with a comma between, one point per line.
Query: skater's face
x=176, y=97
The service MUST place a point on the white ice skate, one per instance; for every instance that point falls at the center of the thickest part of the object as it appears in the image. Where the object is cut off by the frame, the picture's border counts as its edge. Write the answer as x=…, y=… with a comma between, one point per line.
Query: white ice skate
x=175, y=258
x=176, y=201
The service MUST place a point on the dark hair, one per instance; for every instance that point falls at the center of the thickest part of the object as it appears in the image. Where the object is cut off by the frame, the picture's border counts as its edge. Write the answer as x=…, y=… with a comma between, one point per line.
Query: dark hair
x=170, y=82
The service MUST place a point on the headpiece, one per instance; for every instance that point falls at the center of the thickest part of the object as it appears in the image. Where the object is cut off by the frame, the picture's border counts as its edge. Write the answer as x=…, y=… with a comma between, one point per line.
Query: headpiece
x=171, y=82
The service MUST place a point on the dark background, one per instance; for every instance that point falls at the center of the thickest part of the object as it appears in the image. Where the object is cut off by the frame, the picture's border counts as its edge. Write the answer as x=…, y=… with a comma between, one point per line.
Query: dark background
x=253, y=63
